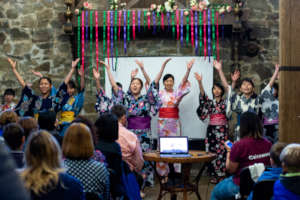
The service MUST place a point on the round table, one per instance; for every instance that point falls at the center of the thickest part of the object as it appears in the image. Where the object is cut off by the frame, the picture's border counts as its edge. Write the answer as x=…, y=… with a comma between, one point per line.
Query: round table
x=196, y=157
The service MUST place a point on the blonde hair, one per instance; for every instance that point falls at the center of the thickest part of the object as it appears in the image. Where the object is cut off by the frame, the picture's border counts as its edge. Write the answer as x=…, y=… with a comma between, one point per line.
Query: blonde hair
x=290, y=157
x=7, y=117
x=78, y=142
x=43, y=163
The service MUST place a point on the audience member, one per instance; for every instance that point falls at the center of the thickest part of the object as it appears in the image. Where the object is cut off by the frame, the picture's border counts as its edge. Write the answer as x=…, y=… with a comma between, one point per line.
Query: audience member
x=14, y=138
x=252, y=148
x=287, y=187
x=78, y=148
x=7, y=117
x=8, y=104
x=29, y=125
x=43, y=175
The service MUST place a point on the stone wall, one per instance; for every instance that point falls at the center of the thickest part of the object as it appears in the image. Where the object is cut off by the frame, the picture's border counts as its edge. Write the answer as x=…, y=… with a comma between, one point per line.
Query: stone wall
x=31, y=31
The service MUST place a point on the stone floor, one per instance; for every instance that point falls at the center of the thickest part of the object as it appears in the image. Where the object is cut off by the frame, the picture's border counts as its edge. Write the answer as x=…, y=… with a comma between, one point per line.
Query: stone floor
x=205, y=189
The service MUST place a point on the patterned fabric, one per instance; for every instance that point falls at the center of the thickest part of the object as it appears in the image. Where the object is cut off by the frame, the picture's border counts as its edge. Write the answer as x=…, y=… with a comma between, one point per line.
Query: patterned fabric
x=92, y=174
x=100, y=157
x=170, y=126
x=104, y=104
x=5, y=107
x=30, y=104
x=215, y=135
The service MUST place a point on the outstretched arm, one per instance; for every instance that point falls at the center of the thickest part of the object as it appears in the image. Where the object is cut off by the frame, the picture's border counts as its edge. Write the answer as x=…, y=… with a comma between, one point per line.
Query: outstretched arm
x=18, y=76
x=218, y=67
x=81, y=74
x=110, y=77
x=188, y=70
x=234, y=77
x=141, y=65
x=36, y=73
x=69, y=76
x=159, y=75
x=199, y=79
x=275, y=75
x=97, y=79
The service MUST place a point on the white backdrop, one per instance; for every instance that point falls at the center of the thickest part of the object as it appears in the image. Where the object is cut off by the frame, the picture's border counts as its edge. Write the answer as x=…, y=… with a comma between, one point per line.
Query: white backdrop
x=190, y=123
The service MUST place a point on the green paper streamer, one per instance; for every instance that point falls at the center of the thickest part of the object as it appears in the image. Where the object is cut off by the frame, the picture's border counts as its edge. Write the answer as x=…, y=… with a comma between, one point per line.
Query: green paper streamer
x=128, y=25
x=187, y=29
x=158, y=20
x=200, y=33
x=213, y=34
x=145, y=15
x=173, y=24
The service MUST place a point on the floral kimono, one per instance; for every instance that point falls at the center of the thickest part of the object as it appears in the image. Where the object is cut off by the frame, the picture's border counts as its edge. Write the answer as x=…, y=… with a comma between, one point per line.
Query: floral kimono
x=217, y=132
x=239, y=103
x=70, y=107
x=139, y=120
x=31, y=104
x=104, y=103
x=270, y=110
x=168, y=121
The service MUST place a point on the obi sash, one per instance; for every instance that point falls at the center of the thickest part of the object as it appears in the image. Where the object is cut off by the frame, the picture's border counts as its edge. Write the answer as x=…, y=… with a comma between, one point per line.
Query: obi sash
x=67, y=116
x=139, y=122
x=169, y=113
x=270, y=121
x=217, y=120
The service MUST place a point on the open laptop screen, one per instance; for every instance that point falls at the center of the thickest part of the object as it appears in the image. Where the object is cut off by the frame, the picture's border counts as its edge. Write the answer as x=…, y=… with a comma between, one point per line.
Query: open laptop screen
x=173, y=145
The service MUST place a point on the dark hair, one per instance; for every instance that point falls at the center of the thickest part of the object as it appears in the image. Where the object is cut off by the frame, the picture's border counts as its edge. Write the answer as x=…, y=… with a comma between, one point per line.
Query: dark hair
x=13, y=135
x=250, y=125
x=47, y=78
x=72, y=84
x=276, y=87
x=46, y=120
x=249, y=80
x=275, y=152
x=219, y=86
x=167, y=76
x=9, y=91
x=119, y=85
x=88, y=123
x=107, y=127
x=140, y=80
x=118, y=110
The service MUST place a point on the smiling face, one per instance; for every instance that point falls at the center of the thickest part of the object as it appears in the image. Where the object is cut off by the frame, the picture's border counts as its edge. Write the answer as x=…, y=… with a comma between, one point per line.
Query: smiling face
x=247, y=88
x=217, y=91
x=169, y=84
x=45, y=86
x=136, y=86
x=8, y=98
x=70, y=90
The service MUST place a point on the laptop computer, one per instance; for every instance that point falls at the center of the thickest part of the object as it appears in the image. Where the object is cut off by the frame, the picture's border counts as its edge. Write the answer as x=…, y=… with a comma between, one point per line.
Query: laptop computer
x=173, y=146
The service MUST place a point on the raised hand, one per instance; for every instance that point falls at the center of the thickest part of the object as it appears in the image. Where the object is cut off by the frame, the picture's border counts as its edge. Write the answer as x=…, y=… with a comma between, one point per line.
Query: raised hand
x=96, y=74
x=75, y=62
x=277, y=67
x=140, y=64
x=12, y=63
x=235, y=75
x=217, y=65
x=106, y=65
x=134, y=73
x=81, y=72
x=198, y=77
x=38, y=74
x=166, y=61
x=190, y=64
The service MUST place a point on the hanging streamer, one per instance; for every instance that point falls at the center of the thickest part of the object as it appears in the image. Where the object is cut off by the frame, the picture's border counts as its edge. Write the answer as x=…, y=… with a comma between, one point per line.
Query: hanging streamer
x=108, y=36
x=149, y=20
x=158, y=20
x=124, y=28
x=200, y=33
x=115, y=39
x=78, y=43
x=209, y=34
x=119, y=30
x=192, y=28
x=154, y=22
x=133, y=25
x=162, y=24
x=204, y=32
x=181, y=27
x=97, y=40
x=82, y=40
x=173, y=25
x=112, y=38
x=128, y=25
x=213, y=34
x=218, y=48
x=139, y=21
x=86, y=34
x=177, y=23
x=91, y=47
x=196, y=32
x=168, y=19
x=115, y=25
x=104, y=37
x=144, y=17
x=187, y=29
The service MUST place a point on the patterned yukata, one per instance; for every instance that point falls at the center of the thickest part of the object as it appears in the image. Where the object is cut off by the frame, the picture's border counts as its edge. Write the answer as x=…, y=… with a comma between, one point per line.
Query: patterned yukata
x=31, y=104
x=5, y=107
x=239, y=103
x=168, y=121
x=217, y=132
x=70, y=106
x=138, y=110
x=270, y=110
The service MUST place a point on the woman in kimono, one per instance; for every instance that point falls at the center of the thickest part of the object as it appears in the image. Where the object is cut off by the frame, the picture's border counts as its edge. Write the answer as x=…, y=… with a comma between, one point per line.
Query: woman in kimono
x=168, y=121
x=217, y=131
x=70, y=103
x=139, y=108
x=31, y=104
x=246, y=101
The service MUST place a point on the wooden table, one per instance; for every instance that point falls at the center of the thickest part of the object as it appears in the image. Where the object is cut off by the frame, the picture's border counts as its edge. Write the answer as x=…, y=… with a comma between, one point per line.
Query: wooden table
x=188, y=186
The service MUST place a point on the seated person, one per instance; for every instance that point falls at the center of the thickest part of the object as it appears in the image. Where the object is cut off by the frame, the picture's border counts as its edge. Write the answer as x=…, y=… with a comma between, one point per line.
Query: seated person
x=250, y=149
x=14, y=138
x=29, y=125
x=9, y=95
x=7, y=117
x=43, y=176
x=130, y=145
x=78, y=149
x=287, y=187
x=47, y=121
x=275, y=170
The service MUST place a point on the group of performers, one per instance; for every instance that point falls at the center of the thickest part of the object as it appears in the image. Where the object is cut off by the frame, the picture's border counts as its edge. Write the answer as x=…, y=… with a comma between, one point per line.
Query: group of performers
x=165, y=102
